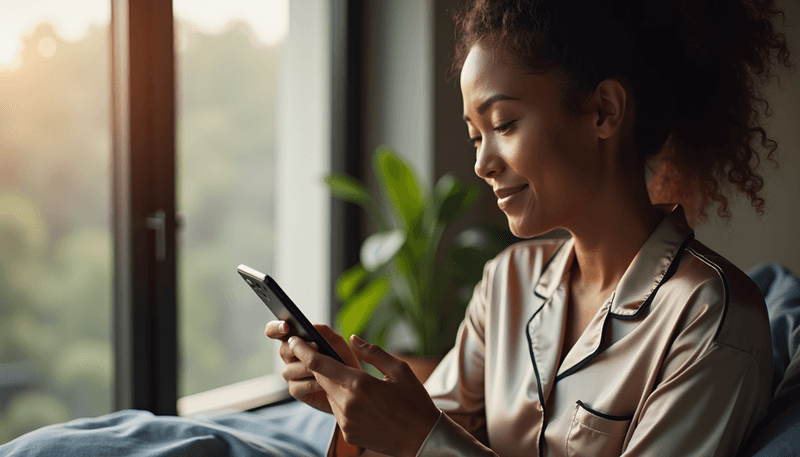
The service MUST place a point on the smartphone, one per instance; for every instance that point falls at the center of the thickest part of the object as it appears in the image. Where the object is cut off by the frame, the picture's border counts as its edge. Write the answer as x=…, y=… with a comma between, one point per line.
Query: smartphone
x=284, y=309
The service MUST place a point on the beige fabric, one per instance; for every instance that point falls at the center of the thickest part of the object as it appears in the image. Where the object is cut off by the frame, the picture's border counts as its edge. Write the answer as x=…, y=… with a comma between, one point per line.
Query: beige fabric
x=677, y=362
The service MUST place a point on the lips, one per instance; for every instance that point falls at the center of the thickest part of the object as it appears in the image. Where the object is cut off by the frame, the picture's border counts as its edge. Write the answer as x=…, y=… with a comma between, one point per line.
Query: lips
x=508, y=191
x=507, y=196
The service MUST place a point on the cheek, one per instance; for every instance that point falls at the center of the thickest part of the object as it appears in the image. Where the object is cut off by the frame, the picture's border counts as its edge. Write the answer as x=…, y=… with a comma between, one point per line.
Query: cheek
x=577, y=153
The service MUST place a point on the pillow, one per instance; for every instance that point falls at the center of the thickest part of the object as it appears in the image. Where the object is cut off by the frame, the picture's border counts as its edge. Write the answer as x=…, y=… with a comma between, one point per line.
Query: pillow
x=779, y=432
x=781, y=291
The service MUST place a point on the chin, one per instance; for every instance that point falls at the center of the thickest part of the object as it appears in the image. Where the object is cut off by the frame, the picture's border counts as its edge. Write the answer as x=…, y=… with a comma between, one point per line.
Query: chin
x=521, y=228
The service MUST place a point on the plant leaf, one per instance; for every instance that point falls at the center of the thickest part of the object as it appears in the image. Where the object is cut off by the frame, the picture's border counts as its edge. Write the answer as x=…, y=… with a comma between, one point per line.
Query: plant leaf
x=380, y=248
x=456, y=197
x=348, y=282
x=444, y=186
x=417, y=237
x=357, y=312
x=349, y=189
x=468, y=263
x=406, y=283
x=399, y=184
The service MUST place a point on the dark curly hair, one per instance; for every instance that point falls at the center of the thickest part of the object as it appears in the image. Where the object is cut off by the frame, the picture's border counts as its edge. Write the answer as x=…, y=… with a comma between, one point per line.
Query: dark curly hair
x=695, y=69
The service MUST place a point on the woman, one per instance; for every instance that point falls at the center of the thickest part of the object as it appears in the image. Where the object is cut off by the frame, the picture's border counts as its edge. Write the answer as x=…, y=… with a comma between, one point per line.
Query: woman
x=629, y=337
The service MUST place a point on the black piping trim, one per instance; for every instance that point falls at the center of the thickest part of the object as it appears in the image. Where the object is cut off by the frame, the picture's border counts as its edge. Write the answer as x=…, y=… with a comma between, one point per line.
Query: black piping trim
x=536, y=373
x=589, y=357
x=724, y=287
x=670, y=271
x=546, y=266
x=604, y=416
x=530, y=344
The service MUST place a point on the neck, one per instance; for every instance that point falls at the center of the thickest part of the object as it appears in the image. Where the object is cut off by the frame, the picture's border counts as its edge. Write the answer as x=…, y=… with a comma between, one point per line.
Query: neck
x=610, y=234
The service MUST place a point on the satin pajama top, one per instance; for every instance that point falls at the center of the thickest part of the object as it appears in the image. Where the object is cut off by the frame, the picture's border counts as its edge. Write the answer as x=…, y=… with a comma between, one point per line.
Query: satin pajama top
x=677, y=362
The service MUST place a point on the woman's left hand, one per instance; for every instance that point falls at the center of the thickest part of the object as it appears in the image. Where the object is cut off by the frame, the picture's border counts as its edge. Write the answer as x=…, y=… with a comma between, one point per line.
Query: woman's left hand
x=392, y=415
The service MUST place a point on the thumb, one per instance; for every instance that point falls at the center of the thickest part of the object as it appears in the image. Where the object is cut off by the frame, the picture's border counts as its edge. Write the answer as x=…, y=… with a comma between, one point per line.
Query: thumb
x=390, y=366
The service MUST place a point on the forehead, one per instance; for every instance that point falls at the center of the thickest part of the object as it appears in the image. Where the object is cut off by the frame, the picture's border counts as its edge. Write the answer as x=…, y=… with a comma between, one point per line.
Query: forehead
x=485, y=68
x=488, y=72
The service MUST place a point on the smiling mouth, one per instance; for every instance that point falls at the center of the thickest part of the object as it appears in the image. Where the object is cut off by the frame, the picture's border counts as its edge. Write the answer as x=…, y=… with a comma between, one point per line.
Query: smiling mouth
x=506, y=198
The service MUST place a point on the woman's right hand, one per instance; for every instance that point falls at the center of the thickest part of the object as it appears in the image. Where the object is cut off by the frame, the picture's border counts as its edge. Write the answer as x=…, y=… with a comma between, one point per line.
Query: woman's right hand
x=302, y=384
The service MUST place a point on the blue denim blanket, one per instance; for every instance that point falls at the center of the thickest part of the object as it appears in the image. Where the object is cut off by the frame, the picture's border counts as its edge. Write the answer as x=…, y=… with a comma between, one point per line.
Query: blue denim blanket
x=291, y=429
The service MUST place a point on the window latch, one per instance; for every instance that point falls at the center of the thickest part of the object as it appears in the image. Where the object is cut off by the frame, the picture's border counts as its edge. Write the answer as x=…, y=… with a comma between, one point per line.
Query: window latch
x=158, y=222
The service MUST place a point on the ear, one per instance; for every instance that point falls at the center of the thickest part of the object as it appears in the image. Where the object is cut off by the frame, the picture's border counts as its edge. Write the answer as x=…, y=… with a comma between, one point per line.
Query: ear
x=610, y=106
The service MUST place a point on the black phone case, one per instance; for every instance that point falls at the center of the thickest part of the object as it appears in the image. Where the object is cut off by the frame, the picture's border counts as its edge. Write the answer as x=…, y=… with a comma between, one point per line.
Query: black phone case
x=284, y=309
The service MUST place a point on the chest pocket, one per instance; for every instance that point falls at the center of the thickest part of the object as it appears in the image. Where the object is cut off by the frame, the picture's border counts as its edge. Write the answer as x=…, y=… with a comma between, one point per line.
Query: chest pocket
x=596, y=434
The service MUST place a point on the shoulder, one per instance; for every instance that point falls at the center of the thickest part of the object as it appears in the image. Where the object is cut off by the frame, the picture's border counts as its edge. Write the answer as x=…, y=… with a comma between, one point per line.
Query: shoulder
x=714, y=286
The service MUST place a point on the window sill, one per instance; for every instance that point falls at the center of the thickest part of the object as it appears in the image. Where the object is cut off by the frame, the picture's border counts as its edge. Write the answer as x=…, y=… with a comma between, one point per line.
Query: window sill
x=241, y=396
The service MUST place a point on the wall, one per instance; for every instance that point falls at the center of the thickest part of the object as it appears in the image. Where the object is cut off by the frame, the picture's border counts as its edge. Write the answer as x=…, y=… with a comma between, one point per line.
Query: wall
x=397, y=80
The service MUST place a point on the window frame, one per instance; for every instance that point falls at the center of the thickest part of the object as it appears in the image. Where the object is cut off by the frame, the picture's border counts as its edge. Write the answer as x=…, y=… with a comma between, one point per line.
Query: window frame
x=144, y=146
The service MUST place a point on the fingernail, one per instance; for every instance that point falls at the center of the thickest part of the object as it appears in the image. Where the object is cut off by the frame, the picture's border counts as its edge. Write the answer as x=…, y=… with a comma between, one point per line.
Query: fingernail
x=358, y=341
x=284, y=327
x=292, y=342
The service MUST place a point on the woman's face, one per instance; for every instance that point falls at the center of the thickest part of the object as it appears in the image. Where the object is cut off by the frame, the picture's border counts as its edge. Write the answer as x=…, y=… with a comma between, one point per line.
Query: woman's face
x=541, y=160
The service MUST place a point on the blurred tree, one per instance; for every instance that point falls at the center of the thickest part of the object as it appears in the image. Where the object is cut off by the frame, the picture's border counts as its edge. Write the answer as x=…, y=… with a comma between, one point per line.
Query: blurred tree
x=226, y=137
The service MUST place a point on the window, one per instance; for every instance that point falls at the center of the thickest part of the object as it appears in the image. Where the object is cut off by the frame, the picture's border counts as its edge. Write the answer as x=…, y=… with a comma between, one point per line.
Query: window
x=90, y=188
x=148, y=281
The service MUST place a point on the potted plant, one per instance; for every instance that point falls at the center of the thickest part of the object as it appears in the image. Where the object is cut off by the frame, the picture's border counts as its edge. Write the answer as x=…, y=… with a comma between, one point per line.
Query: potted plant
x=397, y=278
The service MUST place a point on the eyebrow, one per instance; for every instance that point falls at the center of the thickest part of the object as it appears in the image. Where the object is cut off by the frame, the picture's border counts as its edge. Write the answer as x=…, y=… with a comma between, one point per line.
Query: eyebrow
x=489, y=102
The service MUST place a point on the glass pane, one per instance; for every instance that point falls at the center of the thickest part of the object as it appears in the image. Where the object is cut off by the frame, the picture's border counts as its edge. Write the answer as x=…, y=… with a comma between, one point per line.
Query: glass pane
x=227, y=60
x=56, y=359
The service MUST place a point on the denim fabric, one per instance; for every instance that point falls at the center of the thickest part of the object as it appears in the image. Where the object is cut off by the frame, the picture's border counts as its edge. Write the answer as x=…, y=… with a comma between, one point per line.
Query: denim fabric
x=781, y=290
x=291, y=429
x=779, y=433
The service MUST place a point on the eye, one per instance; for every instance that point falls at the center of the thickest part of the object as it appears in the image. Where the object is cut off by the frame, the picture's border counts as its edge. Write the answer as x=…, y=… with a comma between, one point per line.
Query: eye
x=474, y=141
x=504, y=128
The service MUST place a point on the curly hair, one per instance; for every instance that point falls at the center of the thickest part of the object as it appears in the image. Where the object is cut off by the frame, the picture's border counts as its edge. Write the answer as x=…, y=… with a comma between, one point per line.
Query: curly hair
x=695, y=68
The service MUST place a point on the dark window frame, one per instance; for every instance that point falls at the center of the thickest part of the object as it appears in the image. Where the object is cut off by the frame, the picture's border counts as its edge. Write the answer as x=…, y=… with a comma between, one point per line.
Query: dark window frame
x=144, y=144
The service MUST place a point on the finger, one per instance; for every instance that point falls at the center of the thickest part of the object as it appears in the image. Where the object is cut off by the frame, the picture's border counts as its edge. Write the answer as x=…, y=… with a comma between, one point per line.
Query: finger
x=328, y=371
x=286, y=353
x=305, y=388
x=296, y=371
x=392, y=367
x=339, y=345
x=277, y=330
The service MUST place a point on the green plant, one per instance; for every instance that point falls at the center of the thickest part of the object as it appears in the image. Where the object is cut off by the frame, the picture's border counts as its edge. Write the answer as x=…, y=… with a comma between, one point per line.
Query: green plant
x=397, y=277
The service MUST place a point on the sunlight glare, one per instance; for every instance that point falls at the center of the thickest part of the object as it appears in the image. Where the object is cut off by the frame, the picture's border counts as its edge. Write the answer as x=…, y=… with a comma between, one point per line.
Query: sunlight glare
x=269, y=19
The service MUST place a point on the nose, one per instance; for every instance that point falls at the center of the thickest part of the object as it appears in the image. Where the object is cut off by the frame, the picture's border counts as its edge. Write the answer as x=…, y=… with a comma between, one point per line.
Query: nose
x=488, y=162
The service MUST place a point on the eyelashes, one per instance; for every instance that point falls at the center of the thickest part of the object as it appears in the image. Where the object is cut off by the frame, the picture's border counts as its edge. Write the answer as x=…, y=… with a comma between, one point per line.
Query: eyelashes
x=501, y=129
x=504, y=128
